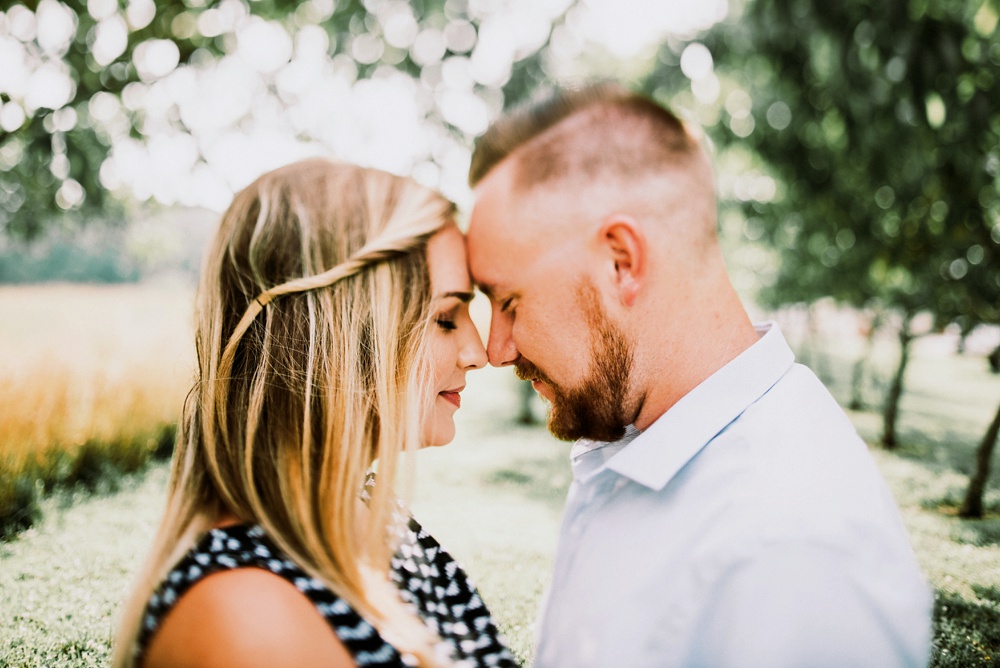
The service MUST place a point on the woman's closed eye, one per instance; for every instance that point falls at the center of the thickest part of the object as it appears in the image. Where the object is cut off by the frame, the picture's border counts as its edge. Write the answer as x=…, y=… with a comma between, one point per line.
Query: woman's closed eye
x=446, y=322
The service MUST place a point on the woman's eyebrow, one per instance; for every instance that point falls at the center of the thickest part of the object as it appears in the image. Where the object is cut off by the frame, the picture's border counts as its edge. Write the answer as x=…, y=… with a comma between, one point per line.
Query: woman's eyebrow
x=460, y=295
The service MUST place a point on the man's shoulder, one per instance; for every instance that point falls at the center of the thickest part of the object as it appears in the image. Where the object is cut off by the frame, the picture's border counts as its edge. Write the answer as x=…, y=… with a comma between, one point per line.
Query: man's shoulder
x=795, y=457
x=797, y=414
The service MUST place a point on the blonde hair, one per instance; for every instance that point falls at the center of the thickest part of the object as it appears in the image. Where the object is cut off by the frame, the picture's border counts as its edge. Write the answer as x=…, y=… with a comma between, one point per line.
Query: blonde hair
x=311, y=321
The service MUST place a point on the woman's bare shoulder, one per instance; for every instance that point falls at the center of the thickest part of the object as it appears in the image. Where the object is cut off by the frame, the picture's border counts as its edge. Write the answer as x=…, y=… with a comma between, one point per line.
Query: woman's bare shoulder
x=245, y=617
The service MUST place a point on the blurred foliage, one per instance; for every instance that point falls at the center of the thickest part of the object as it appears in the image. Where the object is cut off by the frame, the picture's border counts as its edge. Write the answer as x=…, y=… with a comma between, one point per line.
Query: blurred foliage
x=51, y=158
x=92, y=466
x=879, y=123
x=87, y=257
x=169, y=243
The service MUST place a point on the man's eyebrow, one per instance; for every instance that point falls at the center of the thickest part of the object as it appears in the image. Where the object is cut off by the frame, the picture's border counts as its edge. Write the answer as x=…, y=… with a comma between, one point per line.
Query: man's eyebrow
x=488, y=290
x=457, y=294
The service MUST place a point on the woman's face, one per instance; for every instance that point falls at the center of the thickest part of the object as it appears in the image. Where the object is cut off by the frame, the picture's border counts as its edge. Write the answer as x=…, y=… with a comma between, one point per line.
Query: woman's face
x=455, y=345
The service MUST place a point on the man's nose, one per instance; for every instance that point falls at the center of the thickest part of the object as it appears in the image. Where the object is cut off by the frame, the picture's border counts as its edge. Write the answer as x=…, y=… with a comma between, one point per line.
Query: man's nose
x=500, y=348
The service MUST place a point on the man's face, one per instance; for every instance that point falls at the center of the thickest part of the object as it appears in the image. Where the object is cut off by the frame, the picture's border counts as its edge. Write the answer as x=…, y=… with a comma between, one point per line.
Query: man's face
x=547, y=318
x=597, y=407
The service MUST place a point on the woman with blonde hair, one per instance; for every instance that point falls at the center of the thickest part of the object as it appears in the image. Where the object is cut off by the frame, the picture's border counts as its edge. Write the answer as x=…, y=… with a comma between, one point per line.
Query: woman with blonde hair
x=333, y=336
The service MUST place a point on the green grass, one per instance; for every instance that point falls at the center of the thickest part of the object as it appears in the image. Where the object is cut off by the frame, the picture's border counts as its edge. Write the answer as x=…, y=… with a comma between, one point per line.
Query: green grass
x=92, y=466
x=61, y=581
x=494, y=499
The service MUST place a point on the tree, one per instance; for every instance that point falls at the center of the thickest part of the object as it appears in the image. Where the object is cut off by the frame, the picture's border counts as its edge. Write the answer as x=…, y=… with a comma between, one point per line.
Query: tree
x=872, y=322
x=972, y=506
x=65, y=57
x=880, y=124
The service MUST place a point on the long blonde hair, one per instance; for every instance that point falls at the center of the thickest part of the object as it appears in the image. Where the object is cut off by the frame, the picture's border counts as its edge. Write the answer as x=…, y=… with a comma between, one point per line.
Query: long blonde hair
x=311, y=320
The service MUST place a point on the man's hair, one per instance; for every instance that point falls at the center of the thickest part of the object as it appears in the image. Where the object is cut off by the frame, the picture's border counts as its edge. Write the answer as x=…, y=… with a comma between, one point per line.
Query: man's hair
x=595, y=129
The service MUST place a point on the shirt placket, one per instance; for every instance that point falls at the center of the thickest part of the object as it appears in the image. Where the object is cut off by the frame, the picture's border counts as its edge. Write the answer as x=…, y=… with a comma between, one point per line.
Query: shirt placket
x=587, y=498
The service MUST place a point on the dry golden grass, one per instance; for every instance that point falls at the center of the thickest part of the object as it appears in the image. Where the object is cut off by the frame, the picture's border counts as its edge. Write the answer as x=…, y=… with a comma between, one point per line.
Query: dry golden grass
x=90, y=372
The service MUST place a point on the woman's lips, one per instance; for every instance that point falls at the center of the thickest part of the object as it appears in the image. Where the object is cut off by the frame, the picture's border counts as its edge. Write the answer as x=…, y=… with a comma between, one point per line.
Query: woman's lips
x=452, y=396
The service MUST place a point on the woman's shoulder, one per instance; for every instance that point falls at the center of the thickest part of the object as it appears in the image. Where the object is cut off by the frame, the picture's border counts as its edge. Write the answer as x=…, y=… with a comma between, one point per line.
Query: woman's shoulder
x=236, y=591
x=244, y=617
x=219, y=550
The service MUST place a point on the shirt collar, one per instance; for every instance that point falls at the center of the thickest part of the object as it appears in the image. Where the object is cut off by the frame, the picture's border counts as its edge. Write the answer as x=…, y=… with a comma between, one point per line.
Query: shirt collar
x=654, y=457
x=589, y=457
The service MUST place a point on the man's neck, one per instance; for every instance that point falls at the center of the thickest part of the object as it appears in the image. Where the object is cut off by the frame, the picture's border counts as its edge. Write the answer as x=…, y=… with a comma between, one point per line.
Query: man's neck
x=674, y=368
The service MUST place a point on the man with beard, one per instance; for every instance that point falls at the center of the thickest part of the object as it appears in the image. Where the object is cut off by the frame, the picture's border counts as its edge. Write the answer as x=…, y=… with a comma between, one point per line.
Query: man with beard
x=723, y=510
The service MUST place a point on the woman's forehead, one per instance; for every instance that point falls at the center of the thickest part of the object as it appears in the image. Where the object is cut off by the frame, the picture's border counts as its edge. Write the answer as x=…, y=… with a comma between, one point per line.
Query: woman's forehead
x=447, y=262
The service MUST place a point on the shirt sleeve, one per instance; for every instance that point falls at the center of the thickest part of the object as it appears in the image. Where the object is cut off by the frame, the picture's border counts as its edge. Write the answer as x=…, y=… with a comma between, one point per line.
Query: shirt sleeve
x=808, y=606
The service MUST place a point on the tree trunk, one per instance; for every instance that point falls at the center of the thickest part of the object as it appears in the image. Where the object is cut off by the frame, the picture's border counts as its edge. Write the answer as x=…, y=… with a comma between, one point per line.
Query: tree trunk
x=857, y=380
x=861, y=366
x=525, y=395
x=817, y=360
x=896, y=389
x=973, y=506
x=967, y=326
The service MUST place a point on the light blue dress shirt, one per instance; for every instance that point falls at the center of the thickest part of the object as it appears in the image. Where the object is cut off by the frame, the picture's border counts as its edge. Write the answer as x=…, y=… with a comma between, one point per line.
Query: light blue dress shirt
x=747, y=526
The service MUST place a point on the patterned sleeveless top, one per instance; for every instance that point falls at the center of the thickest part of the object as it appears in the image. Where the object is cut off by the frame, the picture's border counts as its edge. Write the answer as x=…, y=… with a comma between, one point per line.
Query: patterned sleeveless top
x=426, y=576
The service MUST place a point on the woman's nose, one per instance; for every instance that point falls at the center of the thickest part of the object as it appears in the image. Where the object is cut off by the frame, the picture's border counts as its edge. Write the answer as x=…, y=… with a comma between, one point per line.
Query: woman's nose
x=473, y=354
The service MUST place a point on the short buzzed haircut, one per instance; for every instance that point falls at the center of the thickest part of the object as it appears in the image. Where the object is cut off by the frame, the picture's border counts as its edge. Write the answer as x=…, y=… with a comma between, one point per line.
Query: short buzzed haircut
x=601, y=128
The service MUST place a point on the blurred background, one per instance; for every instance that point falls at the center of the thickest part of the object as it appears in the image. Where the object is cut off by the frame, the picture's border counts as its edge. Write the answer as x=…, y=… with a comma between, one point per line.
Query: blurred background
x=857, y=152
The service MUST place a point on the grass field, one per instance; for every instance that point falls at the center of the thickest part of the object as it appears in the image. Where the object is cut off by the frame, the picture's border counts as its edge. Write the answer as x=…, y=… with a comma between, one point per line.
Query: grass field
x=494, y=498
x=93, y=380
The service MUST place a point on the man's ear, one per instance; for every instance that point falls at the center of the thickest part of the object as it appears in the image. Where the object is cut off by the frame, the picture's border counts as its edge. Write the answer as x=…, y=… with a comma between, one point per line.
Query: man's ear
x=621, y=238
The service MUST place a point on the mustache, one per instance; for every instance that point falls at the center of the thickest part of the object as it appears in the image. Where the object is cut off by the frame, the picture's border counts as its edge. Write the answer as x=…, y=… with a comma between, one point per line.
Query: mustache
x=525, y=370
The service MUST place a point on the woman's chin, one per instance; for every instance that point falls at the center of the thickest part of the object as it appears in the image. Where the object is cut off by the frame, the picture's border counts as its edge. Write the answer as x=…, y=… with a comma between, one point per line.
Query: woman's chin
x=438, y=435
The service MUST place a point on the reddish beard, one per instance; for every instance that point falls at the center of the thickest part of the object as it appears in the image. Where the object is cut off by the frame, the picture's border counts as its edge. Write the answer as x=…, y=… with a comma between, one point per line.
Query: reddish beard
x=596, y=409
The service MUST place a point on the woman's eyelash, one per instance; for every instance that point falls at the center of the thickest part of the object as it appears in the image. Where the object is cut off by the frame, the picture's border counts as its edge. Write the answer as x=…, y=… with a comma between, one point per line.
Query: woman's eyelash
x=446, y=323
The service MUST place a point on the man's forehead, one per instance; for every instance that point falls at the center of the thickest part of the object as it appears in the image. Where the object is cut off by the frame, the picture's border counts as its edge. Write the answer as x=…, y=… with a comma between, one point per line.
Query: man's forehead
x=513, y=227
x=493, y=259
x=495, y=242
x=496, y=184
x=496, y=211
x=505, y=210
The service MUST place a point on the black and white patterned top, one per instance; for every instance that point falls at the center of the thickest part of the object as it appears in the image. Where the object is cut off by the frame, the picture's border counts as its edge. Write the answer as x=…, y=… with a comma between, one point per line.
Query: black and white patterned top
x=427, y=578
